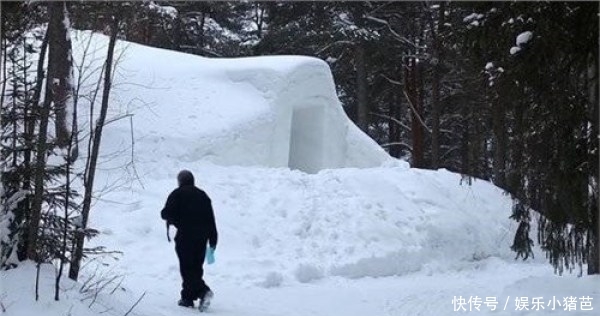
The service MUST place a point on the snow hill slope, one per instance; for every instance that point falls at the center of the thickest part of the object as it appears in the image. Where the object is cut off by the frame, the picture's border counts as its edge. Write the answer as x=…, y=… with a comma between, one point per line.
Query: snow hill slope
x=305, y=229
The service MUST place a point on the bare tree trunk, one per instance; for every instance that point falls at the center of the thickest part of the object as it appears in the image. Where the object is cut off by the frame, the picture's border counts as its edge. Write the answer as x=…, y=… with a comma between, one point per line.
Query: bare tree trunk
x=30, y=138
x=394, y=128
x=259, y=13
x=91, y=167
x=464, y=142
x=41, y=149
x=40, y=72
x=420, y=95
x=38, y=268
x=361, y=89
x=261, y=21
x=177, y=31
x=65, y=228
x=515, y=178
x=58, y=90
x=15, y=125
x=411, y=84
x=201, y=39
x=40, y=170
x=595, y=161
x=436, y=87
x=28, y=119
x=435, y=119
x=63, y=88
x=4, y=72
x=593, y=94
x=499, y=129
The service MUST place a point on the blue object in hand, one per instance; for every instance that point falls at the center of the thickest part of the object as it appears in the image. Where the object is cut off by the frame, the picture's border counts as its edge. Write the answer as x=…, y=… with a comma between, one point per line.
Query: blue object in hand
x=210, y=255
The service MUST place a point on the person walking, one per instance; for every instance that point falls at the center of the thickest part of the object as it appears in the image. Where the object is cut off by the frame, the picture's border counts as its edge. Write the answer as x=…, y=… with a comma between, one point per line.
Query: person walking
x=189, y=209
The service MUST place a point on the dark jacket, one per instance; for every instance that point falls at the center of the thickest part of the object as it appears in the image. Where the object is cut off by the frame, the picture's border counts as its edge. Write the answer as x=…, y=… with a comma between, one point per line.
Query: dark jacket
x=190, y=210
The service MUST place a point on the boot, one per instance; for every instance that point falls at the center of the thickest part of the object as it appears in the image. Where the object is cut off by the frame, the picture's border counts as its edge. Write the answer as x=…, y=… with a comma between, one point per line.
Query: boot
x=185, y=303
x=205, y=301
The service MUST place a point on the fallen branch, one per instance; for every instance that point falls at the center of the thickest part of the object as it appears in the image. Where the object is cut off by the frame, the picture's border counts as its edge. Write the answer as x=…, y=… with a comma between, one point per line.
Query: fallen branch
x=135, y=172
x=117, y=118
x=136, y=303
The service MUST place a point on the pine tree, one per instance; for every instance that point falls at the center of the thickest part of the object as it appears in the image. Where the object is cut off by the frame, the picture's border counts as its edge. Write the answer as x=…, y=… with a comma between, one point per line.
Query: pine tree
x=539, y=84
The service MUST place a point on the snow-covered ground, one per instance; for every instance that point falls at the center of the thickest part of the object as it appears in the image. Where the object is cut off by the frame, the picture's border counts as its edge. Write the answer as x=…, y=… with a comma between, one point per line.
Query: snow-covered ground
x=357, y=234
x=381, y=241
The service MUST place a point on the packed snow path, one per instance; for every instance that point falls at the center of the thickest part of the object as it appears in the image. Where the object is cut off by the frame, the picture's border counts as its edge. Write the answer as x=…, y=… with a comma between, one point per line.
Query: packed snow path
x=421, y=293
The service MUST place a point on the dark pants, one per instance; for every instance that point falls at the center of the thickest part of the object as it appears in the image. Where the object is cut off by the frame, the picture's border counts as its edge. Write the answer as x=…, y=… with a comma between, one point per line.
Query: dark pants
x=191, y=252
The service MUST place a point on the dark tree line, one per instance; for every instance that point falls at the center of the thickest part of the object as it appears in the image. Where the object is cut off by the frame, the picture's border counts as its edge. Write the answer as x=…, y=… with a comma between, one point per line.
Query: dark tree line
x=502, y=91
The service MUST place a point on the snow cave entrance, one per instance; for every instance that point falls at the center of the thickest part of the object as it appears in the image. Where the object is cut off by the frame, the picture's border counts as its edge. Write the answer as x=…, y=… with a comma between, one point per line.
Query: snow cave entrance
x=307, y=139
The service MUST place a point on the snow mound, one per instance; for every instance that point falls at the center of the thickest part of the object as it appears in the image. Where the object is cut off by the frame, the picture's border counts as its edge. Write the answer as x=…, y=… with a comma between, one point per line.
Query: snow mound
x=265, y=111
x=306, y=273
x=272, y=279
x=349, y=223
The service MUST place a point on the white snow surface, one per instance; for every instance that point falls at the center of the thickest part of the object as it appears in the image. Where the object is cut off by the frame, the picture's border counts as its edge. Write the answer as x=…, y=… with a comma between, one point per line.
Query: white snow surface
x=357, y=234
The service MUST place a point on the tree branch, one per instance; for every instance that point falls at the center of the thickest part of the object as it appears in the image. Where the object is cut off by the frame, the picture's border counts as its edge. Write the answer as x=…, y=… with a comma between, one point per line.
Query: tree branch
x=412, y=107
